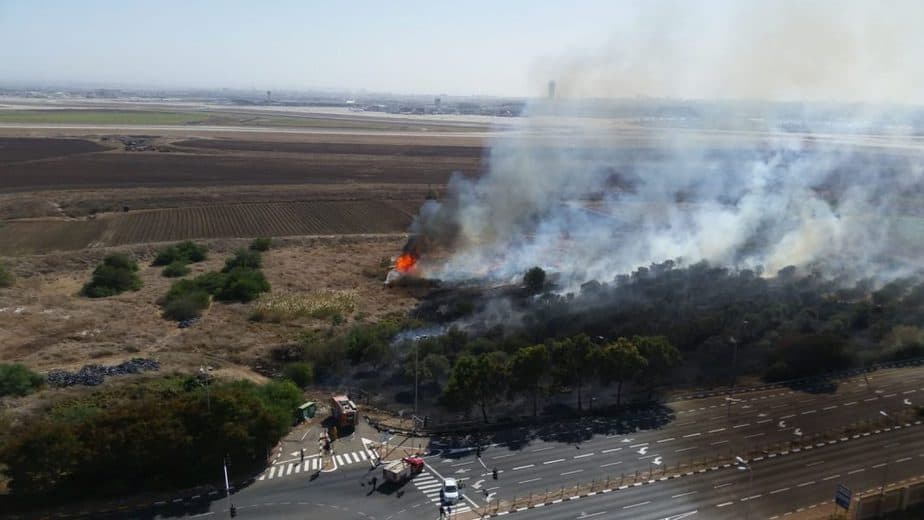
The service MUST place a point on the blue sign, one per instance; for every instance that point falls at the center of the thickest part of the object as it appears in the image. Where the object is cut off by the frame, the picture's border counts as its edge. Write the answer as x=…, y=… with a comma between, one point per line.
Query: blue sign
x=842, y=496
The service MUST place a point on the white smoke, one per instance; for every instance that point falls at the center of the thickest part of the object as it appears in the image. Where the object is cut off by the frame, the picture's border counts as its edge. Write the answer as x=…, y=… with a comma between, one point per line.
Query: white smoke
x=592, y=197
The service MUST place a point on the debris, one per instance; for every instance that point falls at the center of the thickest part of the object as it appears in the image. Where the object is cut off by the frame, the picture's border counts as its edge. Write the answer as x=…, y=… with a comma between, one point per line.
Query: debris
x=92, y=375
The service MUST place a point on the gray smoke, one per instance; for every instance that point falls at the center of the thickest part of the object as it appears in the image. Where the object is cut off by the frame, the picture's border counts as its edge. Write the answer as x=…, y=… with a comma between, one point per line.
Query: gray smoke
x=591, y=189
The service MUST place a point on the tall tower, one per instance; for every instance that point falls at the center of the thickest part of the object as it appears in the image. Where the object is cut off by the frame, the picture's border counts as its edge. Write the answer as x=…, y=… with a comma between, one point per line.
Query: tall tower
x=551, y=89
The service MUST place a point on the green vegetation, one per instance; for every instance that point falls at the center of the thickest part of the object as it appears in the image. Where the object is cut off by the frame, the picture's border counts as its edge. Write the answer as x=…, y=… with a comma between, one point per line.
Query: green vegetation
x=261, y=244
x=300, y=373
x=116, y=274
x=6, y=277
x=16, y=379
x=187, y=299
x=149, y=431
x=134, y=117
x=245, y=259
x=185, y=253
x=176, y=270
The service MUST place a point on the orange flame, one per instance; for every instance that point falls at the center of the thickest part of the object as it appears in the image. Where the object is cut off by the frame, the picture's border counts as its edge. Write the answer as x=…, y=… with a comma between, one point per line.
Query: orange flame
x=405, y=262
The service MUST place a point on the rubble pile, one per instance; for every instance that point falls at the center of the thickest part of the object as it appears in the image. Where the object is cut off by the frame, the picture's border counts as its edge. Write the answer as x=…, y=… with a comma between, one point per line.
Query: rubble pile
x=92, y=375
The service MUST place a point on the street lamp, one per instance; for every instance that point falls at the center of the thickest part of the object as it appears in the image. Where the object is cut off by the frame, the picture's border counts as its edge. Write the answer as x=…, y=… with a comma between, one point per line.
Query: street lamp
x=743, y=465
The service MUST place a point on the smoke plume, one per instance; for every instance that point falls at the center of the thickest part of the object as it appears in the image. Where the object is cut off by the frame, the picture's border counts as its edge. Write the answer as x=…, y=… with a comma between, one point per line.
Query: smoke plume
x=589, y=188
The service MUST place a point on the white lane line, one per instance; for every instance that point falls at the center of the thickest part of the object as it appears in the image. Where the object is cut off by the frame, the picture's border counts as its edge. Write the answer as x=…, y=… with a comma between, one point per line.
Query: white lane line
x=877, y=466
x=764, y=421
x=584, y=455
x=530, y=480
x=809, y=411
x=723, y=504
x=889, y=395
x=523, y=467
x=542, y=449
x=681, y=450
x=585, y=515
x=753, y=435
x=903, y=459
x=831, y=477
x=717, y=430
x=724, y=484
x=788, y=416
x=719, y=442
x=870, y=399
x=775, y=491
x=502, y=456
x=697, y=434
x=636, y=505
x=741, y=425
x=809, y=483
x=669, y=439
x=610, y=450
x=826, y=408
x=553, y=461
x=810, y=464
x=571, y=472
x=639, y=445
x=611, y=464
x=688, y=493
x=853, y=472
x=851, y=403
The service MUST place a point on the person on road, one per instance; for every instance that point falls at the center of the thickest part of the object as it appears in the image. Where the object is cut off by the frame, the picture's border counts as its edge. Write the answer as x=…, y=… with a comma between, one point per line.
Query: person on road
x=442, y=512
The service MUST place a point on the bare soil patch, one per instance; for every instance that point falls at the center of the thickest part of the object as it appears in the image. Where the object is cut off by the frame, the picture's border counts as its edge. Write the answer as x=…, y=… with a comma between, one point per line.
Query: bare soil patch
x=15, y=149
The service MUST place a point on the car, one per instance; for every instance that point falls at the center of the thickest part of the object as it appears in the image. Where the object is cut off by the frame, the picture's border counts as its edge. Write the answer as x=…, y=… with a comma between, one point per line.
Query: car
x=450, y=492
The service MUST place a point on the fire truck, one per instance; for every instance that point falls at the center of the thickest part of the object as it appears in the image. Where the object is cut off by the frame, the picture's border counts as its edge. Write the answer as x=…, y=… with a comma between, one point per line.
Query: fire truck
x=344, y=412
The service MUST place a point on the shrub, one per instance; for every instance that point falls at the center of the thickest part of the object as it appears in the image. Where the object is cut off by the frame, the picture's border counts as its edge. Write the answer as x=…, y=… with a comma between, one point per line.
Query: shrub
x=116, y=274
x=243, y=285
x=176, y=269
x=243, y=258
x=534, y=279
x=187, y=305
x=210, y=282
x=185, y=252
x=6, y=277
x=261, y=244
x=301, y=373
x=16, y=379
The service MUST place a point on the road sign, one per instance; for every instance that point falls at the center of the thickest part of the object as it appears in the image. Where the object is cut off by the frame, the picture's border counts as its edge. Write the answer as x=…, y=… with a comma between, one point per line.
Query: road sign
x=842, y=496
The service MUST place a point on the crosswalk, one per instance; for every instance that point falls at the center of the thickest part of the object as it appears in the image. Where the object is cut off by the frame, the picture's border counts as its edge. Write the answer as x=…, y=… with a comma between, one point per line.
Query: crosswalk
x=430, y=486
x=313, y=463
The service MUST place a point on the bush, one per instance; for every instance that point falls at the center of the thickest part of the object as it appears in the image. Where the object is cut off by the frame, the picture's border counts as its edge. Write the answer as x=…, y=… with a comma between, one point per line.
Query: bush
x=16, y=379
x=116, y=274
x=242, y=285
x=185, y=252
x=261, y=244
x=243, y=258
x=186, y=305
x=176, y=269
x=210, y=282
x=534, y=279
x=6, y=277
x=302, y=374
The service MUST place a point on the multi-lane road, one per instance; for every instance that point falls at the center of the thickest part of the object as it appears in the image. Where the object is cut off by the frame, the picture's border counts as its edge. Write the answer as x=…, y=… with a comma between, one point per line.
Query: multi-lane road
x=620, y=454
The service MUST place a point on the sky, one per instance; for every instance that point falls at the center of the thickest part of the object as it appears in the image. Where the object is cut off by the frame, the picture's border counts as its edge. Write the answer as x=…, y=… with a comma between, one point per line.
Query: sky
x=832, y=50
x=475, y=47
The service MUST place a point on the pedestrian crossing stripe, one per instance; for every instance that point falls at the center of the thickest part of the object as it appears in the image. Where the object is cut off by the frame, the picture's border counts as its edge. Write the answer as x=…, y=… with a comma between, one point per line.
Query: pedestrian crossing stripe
x=313, y=464
x=431, y=487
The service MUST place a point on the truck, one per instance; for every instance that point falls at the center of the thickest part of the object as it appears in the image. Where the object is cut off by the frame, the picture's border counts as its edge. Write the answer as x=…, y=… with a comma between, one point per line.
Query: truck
x=398, y=471
x=344, y=412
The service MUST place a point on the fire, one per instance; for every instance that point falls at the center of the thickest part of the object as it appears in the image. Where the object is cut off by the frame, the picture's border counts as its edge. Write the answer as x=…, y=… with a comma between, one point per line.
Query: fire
x=405, y=262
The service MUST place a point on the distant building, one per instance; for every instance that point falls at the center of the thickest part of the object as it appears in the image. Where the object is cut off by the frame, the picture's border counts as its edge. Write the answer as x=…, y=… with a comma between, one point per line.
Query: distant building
x=551, y=89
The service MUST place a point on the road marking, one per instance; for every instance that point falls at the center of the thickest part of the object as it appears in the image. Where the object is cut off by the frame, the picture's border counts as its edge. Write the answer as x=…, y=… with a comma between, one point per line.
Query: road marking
x=585, y=515
x=903, y=459
x=856, y=471
x=717, y=430
x=810, y=464
x=463, y=464
x=723, y=504
x=889, y=395
x=775, y=491
x=826, y=408
x=542, y=449
x=809, y=483
x=688, y=493
x=877, y=466
x=764, y=421
x=741, y=425
x=753, y=435
x=584, y=455
x=851, y=403
x=788, y=416
x=530, y=480
x=502, y=456
x=870, y=399
x=553, y=461
x=666, y=440
x=571, y=472
x=611, y=464
x=831, y=477
x=697, y=434
x=523, y=467
x=719, y=442
x=610, y=450
x=639, y=445
x=681, y=450
x=636, y=505
x=809, y=411
x=724, y=484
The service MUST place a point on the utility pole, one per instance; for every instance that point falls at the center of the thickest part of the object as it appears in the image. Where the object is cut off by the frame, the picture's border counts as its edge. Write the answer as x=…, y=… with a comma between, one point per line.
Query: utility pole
x=224, y=463
x=743, y=465
x=416, y=374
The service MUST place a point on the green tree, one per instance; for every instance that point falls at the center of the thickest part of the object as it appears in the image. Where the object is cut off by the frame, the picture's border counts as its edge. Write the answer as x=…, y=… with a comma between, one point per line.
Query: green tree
x=476, y=381
x=301, y=373
x=573, y=361
x=243, y=285
x=620, y=360
x=661, y=358
x=434, y=367
x=16, y=379
x=534, y=279
x=527, y=368
x=116, y=274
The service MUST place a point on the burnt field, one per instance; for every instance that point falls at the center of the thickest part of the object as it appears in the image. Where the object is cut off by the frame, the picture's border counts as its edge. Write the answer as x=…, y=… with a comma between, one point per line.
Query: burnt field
x=28, y=149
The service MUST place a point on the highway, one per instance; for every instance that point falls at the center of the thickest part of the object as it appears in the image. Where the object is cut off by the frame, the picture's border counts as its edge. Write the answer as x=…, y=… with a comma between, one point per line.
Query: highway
x=702, y=428
x=779, y=485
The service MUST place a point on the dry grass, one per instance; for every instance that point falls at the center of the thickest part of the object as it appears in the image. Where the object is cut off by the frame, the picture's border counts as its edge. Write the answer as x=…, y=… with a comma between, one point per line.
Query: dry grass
x=322, y=304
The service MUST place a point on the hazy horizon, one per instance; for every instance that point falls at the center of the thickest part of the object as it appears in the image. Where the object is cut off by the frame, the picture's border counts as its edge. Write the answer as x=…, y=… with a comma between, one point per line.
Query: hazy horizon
x=716, y=49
